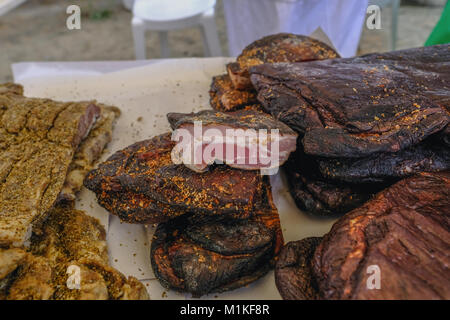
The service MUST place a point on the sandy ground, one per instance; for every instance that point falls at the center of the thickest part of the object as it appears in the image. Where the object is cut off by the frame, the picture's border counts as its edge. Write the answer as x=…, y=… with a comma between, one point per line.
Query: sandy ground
x=36, y=31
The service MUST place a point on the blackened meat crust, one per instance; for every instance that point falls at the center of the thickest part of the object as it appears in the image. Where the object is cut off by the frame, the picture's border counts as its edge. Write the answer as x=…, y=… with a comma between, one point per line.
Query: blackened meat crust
x=282, y=47
x=209, y=255
x=428, y=156
x=404, y=231
x=359, y=106
x=293, y=273
x=319, y=196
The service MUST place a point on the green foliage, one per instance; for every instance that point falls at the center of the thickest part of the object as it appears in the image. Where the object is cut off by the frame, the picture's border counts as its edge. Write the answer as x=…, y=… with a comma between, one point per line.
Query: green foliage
x=102, y=11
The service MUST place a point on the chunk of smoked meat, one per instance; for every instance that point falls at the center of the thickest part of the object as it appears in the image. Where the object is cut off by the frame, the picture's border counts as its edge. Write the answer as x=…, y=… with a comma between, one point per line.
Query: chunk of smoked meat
x=319, y=196
x=223, y=97
x=140, y=184
x=216, y=255
x=404, y=231
x=293, y=273
x=254, y=147
x=233, y=91
x=281, y=47
x=429, y=156
x=359, y=106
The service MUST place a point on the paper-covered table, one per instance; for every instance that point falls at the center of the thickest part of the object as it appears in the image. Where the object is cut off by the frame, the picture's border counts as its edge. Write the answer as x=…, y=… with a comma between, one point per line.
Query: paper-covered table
x=145, y=91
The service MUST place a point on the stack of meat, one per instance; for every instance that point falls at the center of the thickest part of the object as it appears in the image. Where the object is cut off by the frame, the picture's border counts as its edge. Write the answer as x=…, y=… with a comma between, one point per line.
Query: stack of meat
x=395, y=246
x=234, y=90
x=363, y=122
x=218, y=228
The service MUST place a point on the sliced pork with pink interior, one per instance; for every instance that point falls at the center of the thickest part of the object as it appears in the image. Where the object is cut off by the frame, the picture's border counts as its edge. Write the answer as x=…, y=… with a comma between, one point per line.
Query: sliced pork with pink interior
x=246, y=139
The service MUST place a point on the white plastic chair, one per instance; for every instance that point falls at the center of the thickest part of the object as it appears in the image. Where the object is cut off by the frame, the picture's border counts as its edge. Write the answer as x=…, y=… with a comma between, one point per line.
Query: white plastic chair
x=8, y=5
x=166, y=15
x=394, y=4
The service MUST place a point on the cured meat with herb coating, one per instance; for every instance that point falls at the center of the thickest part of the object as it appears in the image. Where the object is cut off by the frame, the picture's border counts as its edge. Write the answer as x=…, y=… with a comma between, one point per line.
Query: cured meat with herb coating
x=216, y=255
x=68, y=239
x=352, y=108
x=38, y=139
x=224, y=97
x=140, y=184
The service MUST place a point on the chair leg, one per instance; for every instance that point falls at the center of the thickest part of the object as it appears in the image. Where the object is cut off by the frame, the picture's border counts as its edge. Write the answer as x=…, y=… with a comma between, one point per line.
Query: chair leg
x=138, y=28
x=164, y=43
x=210, y=36
x=394, y=22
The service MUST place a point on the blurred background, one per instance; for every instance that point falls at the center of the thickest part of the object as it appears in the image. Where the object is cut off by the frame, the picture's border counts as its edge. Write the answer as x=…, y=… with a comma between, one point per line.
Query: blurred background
x=36, y=30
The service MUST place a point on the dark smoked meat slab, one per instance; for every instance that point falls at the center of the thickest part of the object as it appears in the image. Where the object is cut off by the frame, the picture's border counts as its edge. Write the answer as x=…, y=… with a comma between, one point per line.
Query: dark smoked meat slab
x=140, y=184
x=234, y=90
x=216, y=255
x=293, y=273
x=428, y=156
x=282, y=47
x=404, y=230
x=319, y=196
x=359, y=106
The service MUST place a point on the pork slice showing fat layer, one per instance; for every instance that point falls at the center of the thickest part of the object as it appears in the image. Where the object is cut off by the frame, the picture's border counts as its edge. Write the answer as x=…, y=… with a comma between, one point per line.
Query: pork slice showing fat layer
x=38, y=140
x=246, y=139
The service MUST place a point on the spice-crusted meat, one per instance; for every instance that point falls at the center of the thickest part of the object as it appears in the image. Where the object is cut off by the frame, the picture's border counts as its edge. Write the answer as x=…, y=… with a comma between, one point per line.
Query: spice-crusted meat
x=282, y=47
x=68, y=238
x=253, y=143
x=141, y=184
x=358, y=106
x=216, y=255
x=38, y=139
x=223, y=97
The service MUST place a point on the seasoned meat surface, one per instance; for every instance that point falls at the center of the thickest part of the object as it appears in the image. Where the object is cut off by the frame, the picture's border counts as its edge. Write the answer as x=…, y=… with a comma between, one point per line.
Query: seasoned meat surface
x=224, y=97
x=282, y=47
x=404, y=232
x=233, y=91
x=141, y=184
x=355, y=107
x=293, y=272
x=88, y=152
x=216, y=255
x=38, y=139
x=68, y=238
